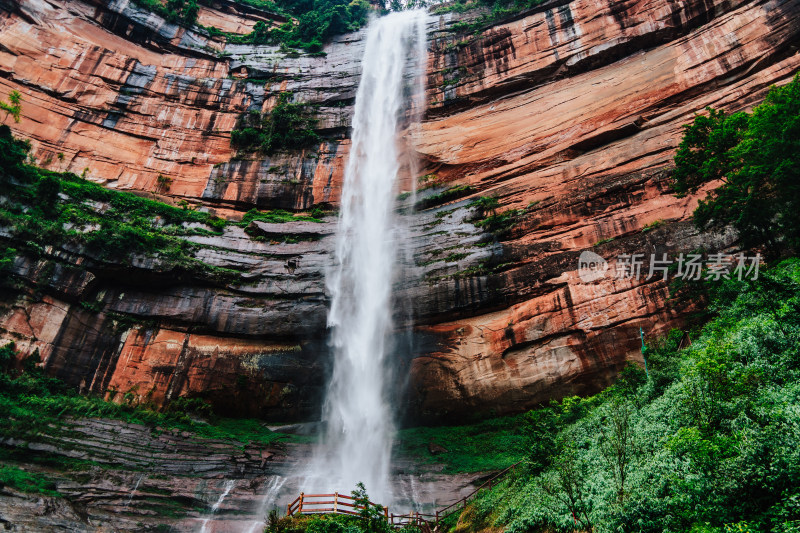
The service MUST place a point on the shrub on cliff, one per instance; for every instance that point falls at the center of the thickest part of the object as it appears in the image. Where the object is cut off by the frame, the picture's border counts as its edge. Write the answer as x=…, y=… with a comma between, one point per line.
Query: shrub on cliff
x=287, y=126
x=757, y=159
x=12, y=154
x=176, y=11
x=39, y=207
x=14, y=105
x=317, y=21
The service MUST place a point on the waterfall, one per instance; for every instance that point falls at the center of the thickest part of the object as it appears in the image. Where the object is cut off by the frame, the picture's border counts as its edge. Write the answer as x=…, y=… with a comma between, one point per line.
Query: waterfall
x=214, y=508
x=359, y=420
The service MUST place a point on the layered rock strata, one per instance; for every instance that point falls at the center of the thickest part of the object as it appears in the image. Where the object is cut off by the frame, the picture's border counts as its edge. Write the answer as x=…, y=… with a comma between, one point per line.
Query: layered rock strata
x=568, y=113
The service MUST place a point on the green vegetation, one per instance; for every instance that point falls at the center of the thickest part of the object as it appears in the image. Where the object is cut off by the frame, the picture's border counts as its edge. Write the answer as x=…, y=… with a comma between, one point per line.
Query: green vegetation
x=486, y=205
x=370, y=519
x=493, y=444
x=495, y=10
x=64, y=210
x=14, y=105
x=30, y=401
x=16, y=478
x=757, y=158
x=447, y=195
x=277, y=216
x=287, y=126
x=500, y=223
x=317, y=22
x=653, y=225
x=604, y=241
x=709, y=441
x=176, y=11
x=314, y=21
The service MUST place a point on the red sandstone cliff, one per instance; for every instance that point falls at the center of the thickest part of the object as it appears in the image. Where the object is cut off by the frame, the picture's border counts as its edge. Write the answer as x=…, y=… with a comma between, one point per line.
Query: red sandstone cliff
x=569, y=112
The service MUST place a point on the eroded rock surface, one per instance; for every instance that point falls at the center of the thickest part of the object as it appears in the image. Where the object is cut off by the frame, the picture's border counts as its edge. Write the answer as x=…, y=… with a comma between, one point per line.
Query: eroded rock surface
x=568, y=113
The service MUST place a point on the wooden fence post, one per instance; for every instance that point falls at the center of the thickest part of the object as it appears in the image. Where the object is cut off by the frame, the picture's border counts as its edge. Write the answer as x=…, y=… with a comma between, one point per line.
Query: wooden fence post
x=336, y=502
x=300, y=509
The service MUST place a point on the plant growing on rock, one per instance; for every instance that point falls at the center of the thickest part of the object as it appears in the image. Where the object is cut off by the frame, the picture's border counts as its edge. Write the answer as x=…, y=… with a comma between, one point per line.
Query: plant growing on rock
x=14, y=105
x=176, y=11
x=755, y=157
x=316, y=23
x=287, y=126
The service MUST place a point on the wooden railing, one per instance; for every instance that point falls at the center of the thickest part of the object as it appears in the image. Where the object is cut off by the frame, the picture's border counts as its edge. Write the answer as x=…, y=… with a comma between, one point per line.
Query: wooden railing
x=461, y=504
x=344, y=504
x=313, y=504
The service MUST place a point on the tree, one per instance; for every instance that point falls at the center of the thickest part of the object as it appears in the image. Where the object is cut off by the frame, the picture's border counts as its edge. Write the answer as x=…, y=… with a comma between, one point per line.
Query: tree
x=616, y=442
x=372, y=514
x=757, y=159
x=567, y=482
x=13, y=107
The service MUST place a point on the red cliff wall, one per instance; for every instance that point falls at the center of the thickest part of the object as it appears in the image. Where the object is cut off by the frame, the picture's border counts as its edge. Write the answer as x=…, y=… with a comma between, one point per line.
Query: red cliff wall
x=569, y=112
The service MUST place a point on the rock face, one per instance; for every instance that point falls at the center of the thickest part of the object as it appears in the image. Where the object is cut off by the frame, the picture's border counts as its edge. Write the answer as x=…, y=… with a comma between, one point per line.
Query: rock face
x=118, y=476
x=568, y=113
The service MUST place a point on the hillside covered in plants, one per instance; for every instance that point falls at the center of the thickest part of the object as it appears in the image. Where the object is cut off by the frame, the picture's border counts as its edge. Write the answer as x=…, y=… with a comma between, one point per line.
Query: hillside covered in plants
x=198, y=196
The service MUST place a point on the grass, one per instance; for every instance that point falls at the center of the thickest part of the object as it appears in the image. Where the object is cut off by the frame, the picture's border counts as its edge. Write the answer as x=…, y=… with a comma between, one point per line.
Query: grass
x=653, y=225
x=276, y=216
x=67, y=211
x=492, y=444
x=30, y=401
x=452, y=193
x=16, y=478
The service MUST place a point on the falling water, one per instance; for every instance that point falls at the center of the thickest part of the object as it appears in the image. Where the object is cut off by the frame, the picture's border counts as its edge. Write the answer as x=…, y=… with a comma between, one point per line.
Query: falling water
x=359, y=419
x=273, y=489
x=214, y=508
x=135, y=488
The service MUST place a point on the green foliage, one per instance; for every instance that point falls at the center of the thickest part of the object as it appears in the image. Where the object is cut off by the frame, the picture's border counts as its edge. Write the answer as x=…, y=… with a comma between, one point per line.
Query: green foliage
x=329, y=523
x=12, y=155
x=14, y=105
x=176, y=11
x=65, y=210
x=317, y=22
x=489, y=445
x=653, y=225
x=164, y=183
x=46, y=195
x=494, y=10
x=372, y=515
x=756, y=158
x=276, y=216
x=710, y=442
x=486, y=205
x=500, y=223
x=16, y=478
x=288, y=126
x=447, y=195
x=31, y=402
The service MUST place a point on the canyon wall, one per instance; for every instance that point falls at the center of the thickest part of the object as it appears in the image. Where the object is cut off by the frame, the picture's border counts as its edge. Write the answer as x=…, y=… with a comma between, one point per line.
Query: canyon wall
x=568, y=113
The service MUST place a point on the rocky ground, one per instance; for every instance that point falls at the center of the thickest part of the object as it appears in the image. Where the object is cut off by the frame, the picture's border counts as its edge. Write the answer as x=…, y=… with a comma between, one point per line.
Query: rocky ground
x=112, y=475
